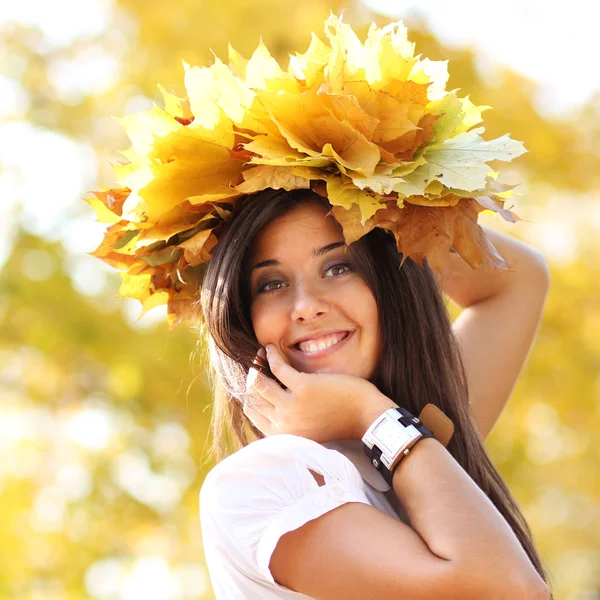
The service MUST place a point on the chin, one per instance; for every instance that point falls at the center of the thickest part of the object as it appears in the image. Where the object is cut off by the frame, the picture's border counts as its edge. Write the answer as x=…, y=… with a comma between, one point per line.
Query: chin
x=340, y=370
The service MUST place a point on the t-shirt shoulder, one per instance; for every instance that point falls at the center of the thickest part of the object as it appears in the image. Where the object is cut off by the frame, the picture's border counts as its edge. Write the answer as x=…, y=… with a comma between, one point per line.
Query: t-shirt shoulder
x=266, y=489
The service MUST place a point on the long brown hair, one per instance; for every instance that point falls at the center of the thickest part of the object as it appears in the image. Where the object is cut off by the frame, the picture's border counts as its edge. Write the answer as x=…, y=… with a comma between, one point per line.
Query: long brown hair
x=420, y=361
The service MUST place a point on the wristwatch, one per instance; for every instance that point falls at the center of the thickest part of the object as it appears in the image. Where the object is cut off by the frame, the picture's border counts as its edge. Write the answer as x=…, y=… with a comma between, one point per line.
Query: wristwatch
x=390, y=438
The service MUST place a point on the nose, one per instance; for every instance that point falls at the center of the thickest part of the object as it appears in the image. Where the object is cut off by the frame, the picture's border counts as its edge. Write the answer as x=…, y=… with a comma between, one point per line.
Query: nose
x=308, y=303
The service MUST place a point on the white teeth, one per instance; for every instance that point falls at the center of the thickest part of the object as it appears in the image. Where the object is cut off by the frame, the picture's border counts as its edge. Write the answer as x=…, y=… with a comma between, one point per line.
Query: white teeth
x=321, y=344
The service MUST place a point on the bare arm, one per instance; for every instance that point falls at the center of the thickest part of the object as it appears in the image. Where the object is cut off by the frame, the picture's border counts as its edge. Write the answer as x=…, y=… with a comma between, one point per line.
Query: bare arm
x=457, y=521
x=459, y=545
x=501, y=314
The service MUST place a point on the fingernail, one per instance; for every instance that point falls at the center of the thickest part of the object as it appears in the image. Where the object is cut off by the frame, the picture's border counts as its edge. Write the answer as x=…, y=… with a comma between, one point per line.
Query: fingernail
x=268, y=348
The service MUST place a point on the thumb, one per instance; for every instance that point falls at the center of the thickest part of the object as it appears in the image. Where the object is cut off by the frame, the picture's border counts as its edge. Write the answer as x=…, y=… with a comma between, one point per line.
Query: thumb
x=281, y=368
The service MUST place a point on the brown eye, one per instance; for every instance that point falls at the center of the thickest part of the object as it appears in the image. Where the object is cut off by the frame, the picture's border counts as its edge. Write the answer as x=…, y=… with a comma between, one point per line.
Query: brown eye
x=266, y=287
x=340, y=269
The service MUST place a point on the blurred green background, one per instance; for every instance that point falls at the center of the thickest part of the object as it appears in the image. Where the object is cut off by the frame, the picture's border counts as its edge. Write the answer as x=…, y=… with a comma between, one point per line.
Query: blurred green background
x=103, y=420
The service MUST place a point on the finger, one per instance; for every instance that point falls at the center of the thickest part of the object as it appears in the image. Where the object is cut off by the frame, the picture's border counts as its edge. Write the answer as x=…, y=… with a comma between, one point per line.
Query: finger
x=260, y=360
x=270, y=390
x=256, y=381
x=281, y=369
x=260, y=404
x=261, y=422
x=262, y=354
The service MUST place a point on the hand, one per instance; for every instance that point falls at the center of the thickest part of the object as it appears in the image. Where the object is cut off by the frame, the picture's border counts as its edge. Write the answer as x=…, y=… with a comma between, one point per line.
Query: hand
x=319, y=406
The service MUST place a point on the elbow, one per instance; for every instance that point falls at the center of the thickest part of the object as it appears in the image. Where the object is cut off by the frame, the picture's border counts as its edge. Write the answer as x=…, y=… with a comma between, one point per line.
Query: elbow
x=544, y=592
x=476, y=584
x=541, y=272
x=540, y=592
x=536, y=590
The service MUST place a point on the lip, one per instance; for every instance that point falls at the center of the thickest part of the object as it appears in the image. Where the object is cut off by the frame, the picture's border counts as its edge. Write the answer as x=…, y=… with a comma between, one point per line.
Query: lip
x=315, y=335
x=325, y=351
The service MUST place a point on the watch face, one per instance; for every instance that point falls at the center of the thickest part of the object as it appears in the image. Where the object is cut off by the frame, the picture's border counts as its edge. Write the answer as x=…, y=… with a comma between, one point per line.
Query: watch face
x=391, y=435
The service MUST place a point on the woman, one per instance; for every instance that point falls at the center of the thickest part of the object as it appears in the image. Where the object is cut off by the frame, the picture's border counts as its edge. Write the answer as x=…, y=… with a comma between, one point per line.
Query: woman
x=350, y=333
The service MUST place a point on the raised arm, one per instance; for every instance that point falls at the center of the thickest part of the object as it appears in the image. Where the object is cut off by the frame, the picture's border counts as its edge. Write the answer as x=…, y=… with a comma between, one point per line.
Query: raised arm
x=501, y=314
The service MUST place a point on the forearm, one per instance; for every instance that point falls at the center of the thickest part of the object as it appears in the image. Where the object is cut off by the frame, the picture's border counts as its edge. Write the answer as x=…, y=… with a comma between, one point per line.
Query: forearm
x=453, y=516
x=467, y=286
x=458, y=521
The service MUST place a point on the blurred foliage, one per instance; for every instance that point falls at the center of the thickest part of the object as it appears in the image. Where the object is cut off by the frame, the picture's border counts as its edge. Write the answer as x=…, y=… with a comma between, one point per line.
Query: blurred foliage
x=103, y=424
x=104, y=427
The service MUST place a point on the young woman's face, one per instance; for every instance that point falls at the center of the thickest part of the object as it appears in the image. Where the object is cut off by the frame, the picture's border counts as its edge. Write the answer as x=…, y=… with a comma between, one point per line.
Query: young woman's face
x=308, y=299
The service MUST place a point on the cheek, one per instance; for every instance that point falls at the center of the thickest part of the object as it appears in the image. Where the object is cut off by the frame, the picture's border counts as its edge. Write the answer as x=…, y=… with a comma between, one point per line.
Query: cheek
x=267, y=323
x=370, y=319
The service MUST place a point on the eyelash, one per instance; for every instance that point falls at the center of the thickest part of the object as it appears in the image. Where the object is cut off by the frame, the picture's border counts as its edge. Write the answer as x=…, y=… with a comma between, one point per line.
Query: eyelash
x=262, y=290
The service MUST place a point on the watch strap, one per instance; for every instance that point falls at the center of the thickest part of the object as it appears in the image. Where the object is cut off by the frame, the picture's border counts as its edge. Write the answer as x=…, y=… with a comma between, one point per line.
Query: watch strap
x=442, y=430
x=438, y=423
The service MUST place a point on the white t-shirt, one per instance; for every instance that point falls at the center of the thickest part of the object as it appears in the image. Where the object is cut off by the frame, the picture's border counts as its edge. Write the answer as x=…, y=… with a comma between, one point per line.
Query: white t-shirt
x=253, y=497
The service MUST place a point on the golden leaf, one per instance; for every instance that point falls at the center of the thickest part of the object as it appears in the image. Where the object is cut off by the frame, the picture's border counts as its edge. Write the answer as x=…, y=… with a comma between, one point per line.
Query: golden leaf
x=368, y=125
x=425, y=232
x=262, y=177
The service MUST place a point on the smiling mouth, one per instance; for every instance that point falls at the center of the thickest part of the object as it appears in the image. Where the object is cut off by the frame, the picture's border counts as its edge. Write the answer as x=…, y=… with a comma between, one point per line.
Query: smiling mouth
x=323, y=346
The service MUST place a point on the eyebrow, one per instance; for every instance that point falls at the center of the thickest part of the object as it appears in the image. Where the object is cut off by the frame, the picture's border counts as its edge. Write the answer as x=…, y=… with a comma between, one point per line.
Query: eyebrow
x=315, y=253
